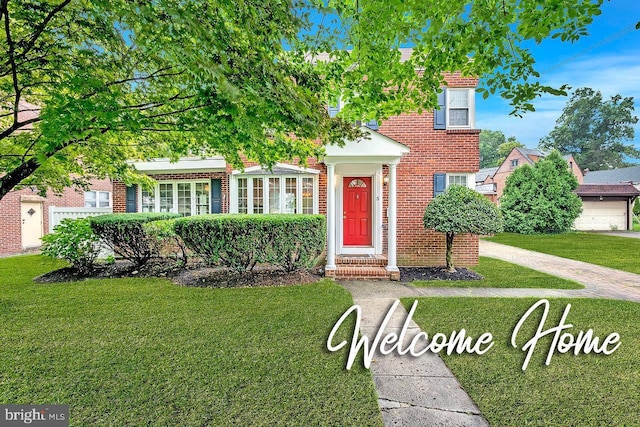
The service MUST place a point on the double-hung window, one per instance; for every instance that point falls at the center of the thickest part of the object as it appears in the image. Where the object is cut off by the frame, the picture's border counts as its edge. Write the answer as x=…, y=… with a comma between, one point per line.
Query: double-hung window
x=442, y=181
x=183, y=197
x=292, y=194
x=455, y=109
x=97, y=199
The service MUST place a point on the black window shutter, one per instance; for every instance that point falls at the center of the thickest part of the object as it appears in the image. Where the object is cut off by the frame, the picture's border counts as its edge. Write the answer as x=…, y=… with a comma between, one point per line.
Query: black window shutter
x=216, y=196
x=132, y=198
x=439, y=183
x=440, y=116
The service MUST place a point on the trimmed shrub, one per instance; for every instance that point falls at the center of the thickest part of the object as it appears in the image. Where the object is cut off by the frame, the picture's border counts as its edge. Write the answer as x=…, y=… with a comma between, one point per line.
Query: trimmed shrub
x=74, y=241
x=167, y=241
x=124, y=233
x=242, y=241
x=461, y=210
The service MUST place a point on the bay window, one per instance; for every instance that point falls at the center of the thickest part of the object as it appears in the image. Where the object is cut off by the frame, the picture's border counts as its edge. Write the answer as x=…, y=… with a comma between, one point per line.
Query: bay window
x=291, y=194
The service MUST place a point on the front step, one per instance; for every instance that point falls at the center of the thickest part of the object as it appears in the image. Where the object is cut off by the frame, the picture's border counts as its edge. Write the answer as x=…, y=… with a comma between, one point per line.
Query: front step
x=364, y=267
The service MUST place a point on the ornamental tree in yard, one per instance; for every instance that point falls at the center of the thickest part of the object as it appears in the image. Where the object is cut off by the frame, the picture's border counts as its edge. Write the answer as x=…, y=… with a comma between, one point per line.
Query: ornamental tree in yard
x=461, y=210
x=87, y=85
x=541, y=199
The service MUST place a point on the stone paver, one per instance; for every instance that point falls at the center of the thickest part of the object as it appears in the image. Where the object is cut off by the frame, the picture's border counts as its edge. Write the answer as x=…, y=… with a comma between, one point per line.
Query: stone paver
x=422, y=390
x=599, y=282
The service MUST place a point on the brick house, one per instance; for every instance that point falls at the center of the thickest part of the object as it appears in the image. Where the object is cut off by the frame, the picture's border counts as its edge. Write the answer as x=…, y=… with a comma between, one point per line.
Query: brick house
x=373, y=191
x=24, y=215
x=491, y=181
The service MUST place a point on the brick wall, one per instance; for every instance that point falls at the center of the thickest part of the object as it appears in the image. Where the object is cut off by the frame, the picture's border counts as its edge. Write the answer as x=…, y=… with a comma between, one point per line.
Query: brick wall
x=11, y=222
x=432, y=151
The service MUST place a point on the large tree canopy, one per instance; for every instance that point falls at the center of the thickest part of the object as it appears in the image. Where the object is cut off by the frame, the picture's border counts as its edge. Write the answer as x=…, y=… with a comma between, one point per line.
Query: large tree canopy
x=86, y=85
x=598, y=132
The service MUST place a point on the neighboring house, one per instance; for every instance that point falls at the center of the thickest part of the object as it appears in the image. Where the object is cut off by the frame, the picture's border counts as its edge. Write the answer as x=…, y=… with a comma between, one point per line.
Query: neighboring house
x=372, y=191
x=485, y=184
x=606, y=206
x=614, y=176
x=25, y=216
x=608, y=198
x=517, y=157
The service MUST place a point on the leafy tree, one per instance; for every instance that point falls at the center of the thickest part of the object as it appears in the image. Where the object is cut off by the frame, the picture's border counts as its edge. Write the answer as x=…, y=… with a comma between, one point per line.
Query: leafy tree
x=490, y=140
x=541, y=199
x=461, y=210
x=495, y=147
x=505, y=148
x=98, y=82
x=595, y=130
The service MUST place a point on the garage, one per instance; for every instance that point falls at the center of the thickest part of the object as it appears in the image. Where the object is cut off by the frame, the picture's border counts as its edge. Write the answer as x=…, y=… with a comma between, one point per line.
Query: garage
x=606, y=206
x=602, y=215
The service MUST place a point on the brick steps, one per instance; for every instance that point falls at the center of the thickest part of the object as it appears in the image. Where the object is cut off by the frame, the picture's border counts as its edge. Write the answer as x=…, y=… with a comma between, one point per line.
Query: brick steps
x=362, y=268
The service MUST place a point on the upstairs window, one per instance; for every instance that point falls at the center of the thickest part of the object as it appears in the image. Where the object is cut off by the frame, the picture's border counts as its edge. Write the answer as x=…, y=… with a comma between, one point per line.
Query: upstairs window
x=514, y=163
x=455, y=109
x=458, y=106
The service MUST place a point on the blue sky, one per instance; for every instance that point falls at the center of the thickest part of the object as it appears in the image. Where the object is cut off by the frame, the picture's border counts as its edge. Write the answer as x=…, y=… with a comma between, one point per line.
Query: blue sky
x=608, y=60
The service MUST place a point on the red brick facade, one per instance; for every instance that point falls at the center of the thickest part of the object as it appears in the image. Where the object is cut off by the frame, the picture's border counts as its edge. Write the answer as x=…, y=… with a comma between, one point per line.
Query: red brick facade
x=431, y=152
x=10, y=213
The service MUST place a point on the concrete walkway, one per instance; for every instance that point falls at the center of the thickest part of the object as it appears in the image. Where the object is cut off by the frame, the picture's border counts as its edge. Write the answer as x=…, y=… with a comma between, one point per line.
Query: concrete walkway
x=632, y=234
x=422, y=390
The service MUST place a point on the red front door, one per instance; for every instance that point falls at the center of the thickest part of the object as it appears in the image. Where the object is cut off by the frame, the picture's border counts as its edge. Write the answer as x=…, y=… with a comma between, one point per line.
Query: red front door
x=357, y=211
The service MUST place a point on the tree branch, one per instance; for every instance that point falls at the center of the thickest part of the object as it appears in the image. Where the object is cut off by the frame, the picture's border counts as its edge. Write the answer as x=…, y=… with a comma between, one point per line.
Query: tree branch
x=40, y=28
x=17, y=125
x=12, y=62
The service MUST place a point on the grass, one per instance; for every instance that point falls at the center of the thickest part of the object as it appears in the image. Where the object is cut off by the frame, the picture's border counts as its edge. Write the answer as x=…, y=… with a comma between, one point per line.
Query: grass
x=583, y=390
x=609, y=251
x=502, y=274
x=636, y=225
x=147, y=352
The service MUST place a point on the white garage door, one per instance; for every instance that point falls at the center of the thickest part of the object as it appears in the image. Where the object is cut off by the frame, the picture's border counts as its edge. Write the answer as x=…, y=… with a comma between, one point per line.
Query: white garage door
x=603, y=215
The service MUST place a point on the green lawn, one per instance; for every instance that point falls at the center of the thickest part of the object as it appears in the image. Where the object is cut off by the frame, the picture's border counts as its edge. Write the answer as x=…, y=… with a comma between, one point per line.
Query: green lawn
x=147, y=352
x=584, y=390
x=636, y=225
x=616, y=252
x=502, y=274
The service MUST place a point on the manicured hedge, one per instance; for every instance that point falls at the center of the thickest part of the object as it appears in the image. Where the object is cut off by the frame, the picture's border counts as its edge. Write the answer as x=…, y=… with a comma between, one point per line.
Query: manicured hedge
x=168, y=242
x=242, y=241
x=124, y=233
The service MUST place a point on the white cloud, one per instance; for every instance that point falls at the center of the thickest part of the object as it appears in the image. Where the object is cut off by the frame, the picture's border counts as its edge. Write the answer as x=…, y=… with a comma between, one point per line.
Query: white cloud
x=610, y=74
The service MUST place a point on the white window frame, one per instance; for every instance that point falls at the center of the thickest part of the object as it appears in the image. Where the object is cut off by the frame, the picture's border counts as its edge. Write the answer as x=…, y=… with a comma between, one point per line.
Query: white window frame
x=98, y=192
x=174, y=191
x=471, y=106
x=470, y=179
x=265, y=194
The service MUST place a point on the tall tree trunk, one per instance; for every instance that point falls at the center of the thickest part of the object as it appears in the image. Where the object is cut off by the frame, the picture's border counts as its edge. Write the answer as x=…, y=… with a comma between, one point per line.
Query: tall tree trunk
x=449, y=259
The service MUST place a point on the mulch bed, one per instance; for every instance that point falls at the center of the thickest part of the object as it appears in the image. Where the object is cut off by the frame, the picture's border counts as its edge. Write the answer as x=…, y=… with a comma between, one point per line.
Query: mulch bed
x=193, y=275
x=409, y=274
x=200, y=275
